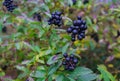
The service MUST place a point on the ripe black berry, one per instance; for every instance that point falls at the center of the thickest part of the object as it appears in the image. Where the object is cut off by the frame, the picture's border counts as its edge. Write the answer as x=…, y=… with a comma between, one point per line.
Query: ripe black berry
x=78, y=29
x=79, y=17
x=65, y=55
x=79, y=37
x=70, y=62
x=82, y=34
x=4, y=29
x=55, y=19
x=74, y=31
x=69, y=30
x=9, y=5
x=67, y=59
x=75, y=60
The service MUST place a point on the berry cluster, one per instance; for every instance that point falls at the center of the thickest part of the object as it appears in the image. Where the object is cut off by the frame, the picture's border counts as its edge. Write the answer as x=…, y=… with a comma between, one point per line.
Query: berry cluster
x=74, y=2
x=37, y=16
x=69, y=62
x=9, y=5
x=56, y=19
x=78, y=29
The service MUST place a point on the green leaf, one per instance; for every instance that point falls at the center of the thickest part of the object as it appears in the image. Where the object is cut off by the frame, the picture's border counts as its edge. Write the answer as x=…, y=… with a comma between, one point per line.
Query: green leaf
x=79, y=3
x=71, y=79
x=64, y=49
x=83, y=74
x=44, y=7
x=105, y=74
x=60, y=78
x=0, y=41
x=25, y=71
x=47, y=1
x=19, y=45
x=70, y=2
x=38, y=74
x=95, y=28
x=89, y=22
x=54, y=67
x=2, y=74
x=87, y=77
x=52, y=59
x=50, y=78
x=66, y=79
x=92, y=45
x=40, y=79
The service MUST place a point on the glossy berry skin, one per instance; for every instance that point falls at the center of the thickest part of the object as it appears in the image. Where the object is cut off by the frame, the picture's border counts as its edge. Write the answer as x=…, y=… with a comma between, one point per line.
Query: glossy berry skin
x=9, y=5
x=65, y=55
x=67, y=59
x=82, y=34
x=75, y=60
x=74, y=31
x=79, y=17
x=75, y=23
x=70, y=62
x=78, y=29
x=79, y=22
x=56, y=19
x=69, y=30
x=79, y=37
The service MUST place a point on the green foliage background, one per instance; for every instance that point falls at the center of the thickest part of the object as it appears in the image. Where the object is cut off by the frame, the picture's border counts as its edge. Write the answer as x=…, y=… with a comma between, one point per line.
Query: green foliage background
x=33, y=50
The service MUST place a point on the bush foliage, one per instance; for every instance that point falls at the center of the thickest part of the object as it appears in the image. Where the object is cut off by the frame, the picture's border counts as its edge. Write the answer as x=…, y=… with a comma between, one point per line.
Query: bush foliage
x=32, y=49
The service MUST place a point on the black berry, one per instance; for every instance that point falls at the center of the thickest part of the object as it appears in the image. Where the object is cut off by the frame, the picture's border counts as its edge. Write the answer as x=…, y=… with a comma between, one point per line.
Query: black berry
x=75, y=60
x=65, y=55
x=79, y=17
x=78, y=29
x=67, y=59
x=9, y=5
x=70, y=62
x=74, y=31
x=55, y=19
x=69, y=30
